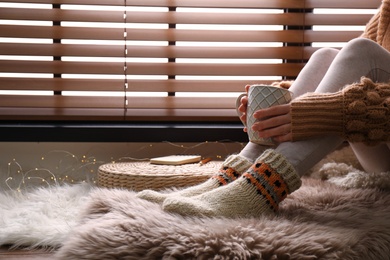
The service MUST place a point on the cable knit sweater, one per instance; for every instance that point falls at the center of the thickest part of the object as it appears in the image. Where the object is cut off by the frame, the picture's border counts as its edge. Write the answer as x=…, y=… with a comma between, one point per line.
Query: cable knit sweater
x=358, y=113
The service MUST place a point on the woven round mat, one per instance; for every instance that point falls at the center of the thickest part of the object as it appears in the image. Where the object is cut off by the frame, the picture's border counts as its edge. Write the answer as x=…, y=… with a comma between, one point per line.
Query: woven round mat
x=144, y=175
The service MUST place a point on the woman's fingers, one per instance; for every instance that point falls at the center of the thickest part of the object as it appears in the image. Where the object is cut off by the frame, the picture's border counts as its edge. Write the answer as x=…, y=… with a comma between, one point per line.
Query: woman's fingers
x=244, y=103
x=272, y=111
x=271, y=122
x=243, y=107
x=274, y=126
x=274, y=122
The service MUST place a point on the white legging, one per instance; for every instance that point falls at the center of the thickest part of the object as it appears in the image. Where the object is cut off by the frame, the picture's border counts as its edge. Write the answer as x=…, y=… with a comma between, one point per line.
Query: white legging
x=329, y=70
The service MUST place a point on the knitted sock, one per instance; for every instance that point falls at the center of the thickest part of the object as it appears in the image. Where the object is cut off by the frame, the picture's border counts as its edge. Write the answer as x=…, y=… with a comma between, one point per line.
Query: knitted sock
x=231, y=169
x=259, y=190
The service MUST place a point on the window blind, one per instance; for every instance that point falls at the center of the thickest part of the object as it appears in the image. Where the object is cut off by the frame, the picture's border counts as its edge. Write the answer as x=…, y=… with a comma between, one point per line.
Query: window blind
x=128, y=60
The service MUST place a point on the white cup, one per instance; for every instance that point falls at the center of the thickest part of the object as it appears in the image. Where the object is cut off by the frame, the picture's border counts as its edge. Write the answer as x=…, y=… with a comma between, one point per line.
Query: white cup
x=259, y=97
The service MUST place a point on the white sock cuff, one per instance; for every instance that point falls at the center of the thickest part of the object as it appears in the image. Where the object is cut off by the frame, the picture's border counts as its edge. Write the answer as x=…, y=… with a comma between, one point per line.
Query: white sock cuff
x=282, y=166
x=237, y=162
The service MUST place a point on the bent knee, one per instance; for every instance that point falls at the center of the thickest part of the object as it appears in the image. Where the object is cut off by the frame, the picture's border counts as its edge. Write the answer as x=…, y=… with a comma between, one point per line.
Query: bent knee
x=360, y=43
x=325, y=53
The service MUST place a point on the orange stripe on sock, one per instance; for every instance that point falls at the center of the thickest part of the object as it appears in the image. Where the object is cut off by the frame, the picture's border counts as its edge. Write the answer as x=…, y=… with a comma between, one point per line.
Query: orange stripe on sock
x=231, y=173
x=260, y=188
x=282, y=190
x=219, y=178
x=226, y=175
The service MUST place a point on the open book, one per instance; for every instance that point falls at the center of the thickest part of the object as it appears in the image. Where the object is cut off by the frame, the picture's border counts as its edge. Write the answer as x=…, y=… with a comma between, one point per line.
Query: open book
x=176, y=159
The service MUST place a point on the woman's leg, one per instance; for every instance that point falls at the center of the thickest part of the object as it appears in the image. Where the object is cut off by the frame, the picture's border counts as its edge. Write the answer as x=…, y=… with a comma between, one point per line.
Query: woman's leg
x=276, y=173
x=360, y=57
x=269, y=180
x=373, y=62
x=312, y=151
x=374, y=159
x=312, y=74
x=303, y=155
x=307, y=81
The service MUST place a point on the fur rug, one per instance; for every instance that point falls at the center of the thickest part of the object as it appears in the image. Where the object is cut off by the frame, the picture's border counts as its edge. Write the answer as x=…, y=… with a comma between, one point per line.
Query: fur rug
x=340, y=212
x=345, y=217
x=319, y=221
x=42, y=217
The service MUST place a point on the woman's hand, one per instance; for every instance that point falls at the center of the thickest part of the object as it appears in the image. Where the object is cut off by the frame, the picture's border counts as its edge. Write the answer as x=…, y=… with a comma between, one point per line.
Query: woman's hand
x=274, y=122
x=242, y=108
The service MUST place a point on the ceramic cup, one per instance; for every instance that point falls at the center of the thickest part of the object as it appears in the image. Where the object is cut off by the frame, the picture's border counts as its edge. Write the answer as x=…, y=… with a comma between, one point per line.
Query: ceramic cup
x=259, y=97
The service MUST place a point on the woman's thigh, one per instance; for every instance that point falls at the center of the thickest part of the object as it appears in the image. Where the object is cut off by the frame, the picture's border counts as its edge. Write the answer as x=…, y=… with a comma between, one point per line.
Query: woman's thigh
x=360, y=57
x=373, y=159
x=375, y=61
x=312, y=74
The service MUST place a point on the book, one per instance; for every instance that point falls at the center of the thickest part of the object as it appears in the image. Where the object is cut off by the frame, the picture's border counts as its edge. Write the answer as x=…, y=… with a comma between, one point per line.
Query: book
x=176, y=159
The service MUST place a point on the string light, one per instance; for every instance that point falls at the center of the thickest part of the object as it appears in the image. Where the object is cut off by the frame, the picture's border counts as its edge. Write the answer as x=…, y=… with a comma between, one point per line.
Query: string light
x=69, y=169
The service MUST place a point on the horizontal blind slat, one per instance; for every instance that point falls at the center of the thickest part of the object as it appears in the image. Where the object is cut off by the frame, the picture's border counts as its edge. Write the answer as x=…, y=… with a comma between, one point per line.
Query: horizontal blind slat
x=61, y=84
x=218, y=18
x=76, y=2
x=173, y=51
x=57, y=32
x=360, y=4
x=112, y=85
x=151, y=17
x=181, y=102
x=331, y=36
x=216, y=69
x=58, y=49
x=182, y=3
x=337, y=19
x=58, y=67
x=74, y=114
x=171, y=85
x=60, y=101
x=203, y=115
x=215, y=35
x=149, y=35
x=292, y=36
x=218, y=52
x=57, y=14
x=224, y=4
x=215, y=18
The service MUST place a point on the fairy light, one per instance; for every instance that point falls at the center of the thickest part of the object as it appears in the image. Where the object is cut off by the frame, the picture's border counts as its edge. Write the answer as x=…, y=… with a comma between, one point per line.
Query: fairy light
x=69, y=168
x=19, y=180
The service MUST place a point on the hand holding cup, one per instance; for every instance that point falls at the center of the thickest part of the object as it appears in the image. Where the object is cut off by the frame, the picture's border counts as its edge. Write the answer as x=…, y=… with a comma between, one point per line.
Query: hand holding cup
x=264, y=111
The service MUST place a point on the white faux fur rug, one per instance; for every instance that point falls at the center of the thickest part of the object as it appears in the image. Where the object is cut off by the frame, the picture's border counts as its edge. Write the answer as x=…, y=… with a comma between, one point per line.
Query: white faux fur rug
x=319, y=221
x=40, y=218
x=51, y=217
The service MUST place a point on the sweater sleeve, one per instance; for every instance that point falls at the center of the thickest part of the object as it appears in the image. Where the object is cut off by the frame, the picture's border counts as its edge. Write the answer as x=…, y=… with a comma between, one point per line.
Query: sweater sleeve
x=358, y=113
x=371, y=29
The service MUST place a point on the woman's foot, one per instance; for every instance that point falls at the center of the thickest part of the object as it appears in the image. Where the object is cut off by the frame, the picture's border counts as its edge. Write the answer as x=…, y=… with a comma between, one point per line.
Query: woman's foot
x=231, y=169
x=258, y=191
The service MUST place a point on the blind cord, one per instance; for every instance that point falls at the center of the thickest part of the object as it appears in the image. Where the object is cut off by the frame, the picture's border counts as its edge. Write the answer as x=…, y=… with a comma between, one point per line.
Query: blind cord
x=125, y=53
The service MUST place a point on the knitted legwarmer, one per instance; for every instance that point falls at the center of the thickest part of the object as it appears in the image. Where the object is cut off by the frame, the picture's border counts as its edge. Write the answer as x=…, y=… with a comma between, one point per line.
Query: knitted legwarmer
x=231, y=169
x=359, y=113
x=258, y=191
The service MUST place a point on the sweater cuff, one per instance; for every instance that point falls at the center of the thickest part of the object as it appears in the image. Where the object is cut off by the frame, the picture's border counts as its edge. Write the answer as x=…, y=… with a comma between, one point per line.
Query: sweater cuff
x=317, y=114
